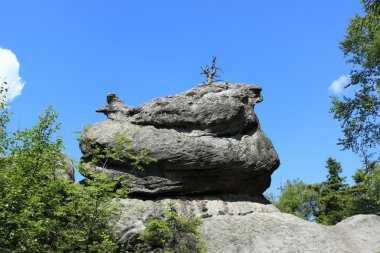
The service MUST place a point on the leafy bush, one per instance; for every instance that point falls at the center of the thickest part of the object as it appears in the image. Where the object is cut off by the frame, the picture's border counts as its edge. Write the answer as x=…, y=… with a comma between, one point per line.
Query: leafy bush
x=173, y=233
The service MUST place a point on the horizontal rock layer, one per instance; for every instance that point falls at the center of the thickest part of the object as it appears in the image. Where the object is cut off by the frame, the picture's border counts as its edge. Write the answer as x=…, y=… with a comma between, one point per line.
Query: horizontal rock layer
x=205, y=140
x=219, y=108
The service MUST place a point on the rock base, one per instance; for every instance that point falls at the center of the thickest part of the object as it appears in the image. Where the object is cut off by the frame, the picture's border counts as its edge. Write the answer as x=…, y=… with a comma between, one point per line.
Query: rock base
x=241, y=223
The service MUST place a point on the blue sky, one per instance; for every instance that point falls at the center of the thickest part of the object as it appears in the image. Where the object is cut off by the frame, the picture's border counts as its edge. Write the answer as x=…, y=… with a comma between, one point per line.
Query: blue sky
x=72, y=53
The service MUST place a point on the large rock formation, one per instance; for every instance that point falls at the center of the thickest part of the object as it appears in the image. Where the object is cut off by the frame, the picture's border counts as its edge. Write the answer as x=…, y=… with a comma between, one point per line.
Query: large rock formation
x=241, y=224
x=206, y=140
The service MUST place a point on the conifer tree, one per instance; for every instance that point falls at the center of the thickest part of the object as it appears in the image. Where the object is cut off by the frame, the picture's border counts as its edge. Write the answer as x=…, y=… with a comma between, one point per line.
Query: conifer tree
x=333, y=195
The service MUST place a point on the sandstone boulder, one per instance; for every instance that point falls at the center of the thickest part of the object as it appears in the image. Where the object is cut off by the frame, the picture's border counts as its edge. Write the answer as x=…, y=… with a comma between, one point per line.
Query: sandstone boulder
x=206, y=140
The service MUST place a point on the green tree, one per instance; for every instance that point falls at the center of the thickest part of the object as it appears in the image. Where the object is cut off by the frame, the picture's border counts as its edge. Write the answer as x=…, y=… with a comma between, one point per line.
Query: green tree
x=372, y=183
x=359, y=115
x=299, y=199
x=4, y=118
x=41, y=211
x=334, y=199
x=366, y=191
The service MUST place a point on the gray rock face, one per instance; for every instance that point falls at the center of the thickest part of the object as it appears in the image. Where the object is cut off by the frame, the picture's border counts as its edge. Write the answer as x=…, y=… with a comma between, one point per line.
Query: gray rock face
x=236, y=223
x=205, y=140
x=218, y=109
x=68, y=171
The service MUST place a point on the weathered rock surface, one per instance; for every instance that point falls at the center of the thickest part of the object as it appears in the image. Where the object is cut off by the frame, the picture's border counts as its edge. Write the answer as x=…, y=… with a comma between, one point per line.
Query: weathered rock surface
x=219, y=109
x=68, y=171
x=236, y=223
x=206, y=140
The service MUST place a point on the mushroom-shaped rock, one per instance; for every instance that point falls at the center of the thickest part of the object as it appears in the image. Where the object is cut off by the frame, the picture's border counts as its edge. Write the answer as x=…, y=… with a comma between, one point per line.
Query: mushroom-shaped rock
x=205, y=140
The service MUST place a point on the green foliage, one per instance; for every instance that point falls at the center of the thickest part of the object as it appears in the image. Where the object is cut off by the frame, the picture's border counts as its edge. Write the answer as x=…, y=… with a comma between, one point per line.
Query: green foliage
x=334, y=197
x=4, y=118
x=366, y=192
x=339, y=201
x=371, y=181
x=360, y=121
x=299, y=199
x=97, y=159
x=118, y=152
x=359, y=115
x=40, y=211
x=333, y=200
x=172, y=234
x=334, y=181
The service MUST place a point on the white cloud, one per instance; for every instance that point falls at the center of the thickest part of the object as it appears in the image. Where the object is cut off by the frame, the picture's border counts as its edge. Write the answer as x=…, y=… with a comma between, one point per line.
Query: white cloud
x=337, y=86
x=9, y=72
